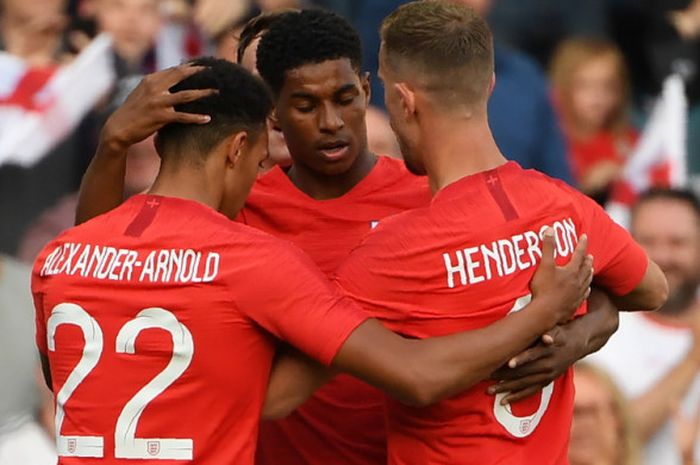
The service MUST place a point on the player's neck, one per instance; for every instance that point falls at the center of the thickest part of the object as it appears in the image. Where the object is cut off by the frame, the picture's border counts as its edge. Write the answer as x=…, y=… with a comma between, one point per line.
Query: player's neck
x=458, y=148
x=188, y=183
x=322, y=187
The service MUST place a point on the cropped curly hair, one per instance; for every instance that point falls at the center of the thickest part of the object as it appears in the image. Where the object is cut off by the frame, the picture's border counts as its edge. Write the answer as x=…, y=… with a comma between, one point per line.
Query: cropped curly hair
x=305, y=37
x=242, y=103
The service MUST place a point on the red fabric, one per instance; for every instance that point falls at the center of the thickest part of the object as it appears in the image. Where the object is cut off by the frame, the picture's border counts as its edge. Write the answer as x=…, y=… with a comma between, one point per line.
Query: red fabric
x=604, y=146
x=400, y=274
x=216, y=401
x=343, y=423
x=25, y=93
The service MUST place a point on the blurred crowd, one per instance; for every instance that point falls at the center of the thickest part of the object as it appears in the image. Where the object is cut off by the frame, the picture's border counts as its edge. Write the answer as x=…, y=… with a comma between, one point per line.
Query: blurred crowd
x=575, y=85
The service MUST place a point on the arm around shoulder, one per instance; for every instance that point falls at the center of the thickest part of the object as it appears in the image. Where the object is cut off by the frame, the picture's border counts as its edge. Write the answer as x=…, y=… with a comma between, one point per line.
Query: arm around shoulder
x=650, y=294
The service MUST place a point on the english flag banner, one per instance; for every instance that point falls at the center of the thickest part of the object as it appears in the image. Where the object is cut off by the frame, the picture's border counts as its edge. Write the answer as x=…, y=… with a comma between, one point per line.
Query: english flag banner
x=659, y=160
x=40, y=107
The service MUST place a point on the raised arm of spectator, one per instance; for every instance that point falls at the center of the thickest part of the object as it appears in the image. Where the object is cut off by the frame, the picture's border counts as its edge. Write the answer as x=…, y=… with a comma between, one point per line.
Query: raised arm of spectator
x=653, y=408
x=148, y=108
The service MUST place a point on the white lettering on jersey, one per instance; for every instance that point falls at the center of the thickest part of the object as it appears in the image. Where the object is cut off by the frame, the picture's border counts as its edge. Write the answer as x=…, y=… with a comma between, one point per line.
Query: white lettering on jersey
x=112, y=264
x=503, y=257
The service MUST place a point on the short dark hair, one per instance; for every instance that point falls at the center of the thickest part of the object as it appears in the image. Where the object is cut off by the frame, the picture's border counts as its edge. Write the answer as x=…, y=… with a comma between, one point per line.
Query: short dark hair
x=299, y=38
x=686, y=196
x=242, y=103
x=442, y=43
x=254, y=29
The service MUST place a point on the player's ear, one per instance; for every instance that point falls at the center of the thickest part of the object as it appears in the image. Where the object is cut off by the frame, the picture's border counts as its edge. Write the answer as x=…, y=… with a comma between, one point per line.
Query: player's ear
x=274, y=120
x=407, y=97
x=234, y=147
x=366, y=87
x=492, y=84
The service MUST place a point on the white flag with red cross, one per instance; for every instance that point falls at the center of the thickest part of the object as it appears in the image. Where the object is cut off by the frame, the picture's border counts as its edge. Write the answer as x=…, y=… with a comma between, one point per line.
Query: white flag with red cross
x=39, y=107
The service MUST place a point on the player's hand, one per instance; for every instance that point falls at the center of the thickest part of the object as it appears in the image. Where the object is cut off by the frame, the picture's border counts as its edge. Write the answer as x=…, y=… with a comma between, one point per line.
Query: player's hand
x=530, y=371
x=565, y=286
x=151, y=105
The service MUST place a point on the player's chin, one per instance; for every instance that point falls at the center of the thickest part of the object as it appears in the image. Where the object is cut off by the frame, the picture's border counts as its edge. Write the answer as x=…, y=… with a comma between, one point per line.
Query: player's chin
x=335, y=167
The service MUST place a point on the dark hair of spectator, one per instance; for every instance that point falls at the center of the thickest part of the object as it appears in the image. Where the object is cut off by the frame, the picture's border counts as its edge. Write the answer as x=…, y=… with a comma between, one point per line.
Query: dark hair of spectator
x=305, y=37
x=686, y=196
x=254, y=29
x=242, y=103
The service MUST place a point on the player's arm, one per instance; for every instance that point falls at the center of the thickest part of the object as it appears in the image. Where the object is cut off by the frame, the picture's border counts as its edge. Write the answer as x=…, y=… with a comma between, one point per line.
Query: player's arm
x=294, y=378
x=558, y=349
x=421, y=372
x=650, y=294
x=652, y=409
x=46, y=370
x=148, y=108
x=622, y=267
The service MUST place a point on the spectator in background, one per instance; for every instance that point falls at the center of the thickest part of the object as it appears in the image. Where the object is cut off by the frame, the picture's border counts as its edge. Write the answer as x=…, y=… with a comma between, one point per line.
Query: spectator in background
x=602, y=432
x=591, y=91
x=655, y=358
x=658, y=38
x=380, y=137
x=35, y=32
x=134, y=27
x=23, y=441
x=548, y=23
x=141, y=169
x=278, y=153
x=521, y=116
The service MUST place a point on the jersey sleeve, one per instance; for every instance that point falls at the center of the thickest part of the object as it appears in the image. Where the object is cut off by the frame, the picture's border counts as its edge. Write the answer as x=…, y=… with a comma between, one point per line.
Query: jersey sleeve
x=39, y=317
x=619, y=262
x=285, y=293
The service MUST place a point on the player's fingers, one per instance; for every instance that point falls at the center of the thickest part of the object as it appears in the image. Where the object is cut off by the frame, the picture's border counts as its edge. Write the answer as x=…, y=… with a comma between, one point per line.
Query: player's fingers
x=579, y=255
x=530, y=355
x=516, y=385
x=552, y=336
x=548, y=245
x=185, y=96
x=190, y=118
x=520, y=395
x=176, y=74
x=537, y=366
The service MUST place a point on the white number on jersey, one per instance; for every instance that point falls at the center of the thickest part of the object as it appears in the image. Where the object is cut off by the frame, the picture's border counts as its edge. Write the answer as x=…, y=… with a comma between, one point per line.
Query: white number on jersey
x=127, y=445
x=521, y=427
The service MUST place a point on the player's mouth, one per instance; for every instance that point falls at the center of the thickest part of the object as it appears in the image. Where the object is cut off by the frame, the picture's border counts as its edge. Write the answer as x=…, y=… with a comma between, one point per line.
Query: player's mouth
x=334, y=150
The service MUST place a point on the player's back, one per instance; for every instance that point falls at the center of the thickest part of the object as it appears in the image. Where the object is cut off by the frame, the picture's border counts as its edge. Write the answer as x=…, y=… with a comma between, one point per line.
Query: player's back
x=463, y=263
x=327, y=230
x=139, y=311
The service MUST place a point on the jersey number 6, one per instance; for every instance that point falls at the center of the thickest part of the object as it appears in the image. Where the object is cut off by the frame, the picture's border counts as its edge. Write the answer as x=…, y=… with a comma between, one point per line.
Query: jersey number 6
x=521, y=427
x=127, y=445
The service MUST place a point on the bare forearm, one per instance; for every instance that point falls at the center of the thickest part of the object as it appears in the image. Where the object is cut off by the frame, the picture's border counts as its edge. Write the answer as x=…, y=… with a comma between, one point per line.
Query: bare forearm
x=102, y=187
x=652, y=409
x=294, y=378
x=597, y=325
x=650, y=294
x=422, y=372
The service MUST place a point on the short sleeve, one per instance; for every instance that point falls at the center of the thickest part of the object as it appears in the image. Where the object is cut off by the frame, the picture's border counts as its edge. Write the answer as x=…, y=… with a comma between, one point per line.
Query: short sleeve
x=619, y=262
x=39, y=317
x=282, y=290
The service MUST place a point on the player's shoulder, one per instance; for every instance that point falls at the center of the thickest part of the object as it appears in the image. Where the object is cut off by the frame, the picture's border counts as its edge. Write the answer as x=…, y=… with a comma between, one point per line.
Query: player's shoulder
x=399, y=228
x=533, y=180
x=393, y=171
x=272, y=181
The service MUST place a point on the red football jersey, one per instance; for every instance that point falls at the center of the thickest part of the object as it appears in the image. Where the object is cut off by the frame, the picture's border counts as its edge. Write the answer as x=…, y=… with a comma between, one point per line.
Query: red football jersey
x=158, y=320
x=343, y=423
x=462, y=263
